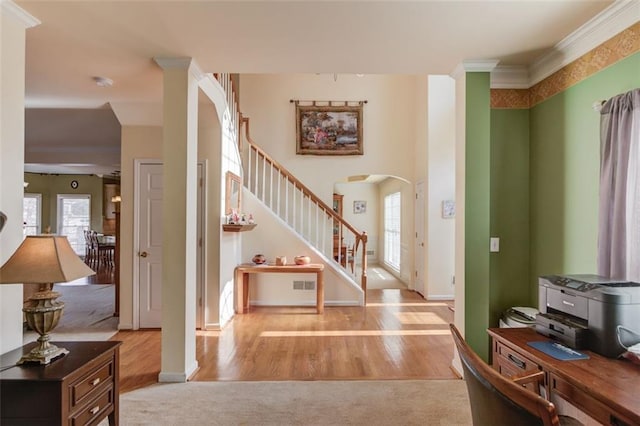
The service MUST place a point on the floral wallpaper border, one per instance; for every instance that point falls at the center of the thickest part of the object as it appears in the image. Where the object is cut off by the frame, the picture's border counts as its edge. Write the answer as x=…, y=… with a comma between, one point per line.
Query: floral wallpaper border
x=608, y=53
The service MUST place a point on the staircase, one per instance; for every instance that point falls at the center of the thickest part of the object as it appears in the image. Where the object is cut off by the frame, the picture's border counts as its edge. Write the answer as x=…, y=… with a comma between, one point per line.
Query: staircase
x=295, y=204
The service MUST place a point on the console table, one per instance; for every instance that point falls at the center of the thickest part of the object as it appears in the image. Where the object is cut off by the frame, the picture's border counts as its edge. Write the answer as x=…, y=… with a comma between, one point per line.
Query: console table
x=80, y=388
x=605, y=389
x=242, y=281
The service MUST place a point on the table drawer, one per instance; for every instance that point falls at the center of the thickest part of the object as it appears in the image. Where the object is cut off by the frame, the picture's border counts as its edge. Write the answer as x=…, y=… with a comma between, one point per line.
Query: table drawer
x=82, y=390
x=95, y=409
x=513, y=361
x=585, y=402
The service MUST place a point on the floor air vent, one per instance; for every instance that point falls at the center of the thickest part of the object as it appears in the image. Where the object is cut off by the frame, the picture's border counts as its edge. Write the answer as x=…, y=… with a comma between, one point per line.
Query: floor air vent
x=304, y=285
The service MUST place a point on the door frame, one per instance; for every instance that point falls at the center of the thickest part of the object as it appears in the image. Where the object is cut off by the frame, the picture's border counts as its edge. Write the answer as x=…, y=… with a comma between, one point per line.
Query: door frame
x=420, y=222
x=202, y=273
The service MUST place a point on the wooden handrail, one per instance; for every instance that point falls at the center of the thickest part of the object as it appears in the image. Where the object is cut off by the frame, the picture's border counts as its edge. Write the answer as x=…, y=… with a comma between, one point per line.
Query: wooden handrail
x=306, y=191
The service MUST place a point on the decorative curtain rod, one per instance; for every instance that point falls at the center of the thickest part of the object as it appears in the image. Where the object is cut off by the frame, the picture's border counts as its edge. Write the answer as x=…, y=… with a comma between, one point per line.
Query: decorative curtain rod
x=328, y=103
x=597, y=105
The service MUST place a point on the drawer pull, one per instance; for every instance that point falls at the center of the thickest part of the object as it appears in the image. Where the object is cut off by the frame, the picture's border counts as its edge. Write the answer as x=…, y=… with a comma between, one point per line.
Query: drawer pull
x=516, y=361
x=95, y=409
x=564, y=302
x=95, y=381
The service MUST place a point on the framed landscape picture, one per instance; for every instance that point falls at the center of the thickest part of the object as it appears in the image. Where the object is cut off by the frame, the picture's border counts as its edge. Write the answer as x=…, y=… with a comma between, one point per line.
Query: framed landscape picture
x=329, y=130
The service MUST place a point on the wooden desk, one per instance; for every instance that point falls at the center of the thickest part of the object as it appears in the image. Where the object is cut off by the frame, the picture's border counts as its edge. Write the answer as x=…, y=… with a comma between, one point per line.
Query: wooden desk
x=242, y=281
x=606, y=389
x=79, y=388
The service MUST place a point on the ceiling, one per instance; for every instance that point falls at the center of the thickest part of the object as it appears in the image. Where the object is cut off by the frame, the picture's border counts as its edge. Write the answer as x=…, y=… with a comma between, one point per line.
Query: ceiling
x=78, y=40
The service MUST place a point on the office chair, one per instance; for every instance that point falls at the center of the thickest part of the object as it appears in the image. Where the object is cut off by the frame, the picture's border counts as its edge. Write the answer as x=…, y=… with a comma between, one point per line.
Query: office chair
x=498, y=400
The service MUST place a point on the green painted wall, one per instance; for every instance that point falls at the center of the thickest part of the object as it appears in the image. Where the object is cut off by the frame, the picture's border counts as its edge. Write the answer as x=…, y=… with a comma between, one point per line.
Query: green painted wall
x=509, y=268
x=52, y=185
x=565, y=141
x=532, y=180
x=477, y=211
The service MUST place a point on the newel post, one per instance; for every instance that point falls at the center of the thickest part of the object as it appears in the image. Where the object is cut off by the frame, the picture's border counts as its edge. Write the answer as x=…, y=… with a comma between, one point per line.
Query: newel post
x=363, y=279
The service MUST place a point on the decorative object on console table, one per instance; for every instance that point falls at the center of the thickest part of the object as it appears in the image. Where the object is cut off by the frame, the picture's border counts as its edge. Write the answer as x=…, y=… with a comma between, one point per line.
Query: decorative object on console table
x=44, y=260
x=281, y=260
x=259, y=259
x=302, y=260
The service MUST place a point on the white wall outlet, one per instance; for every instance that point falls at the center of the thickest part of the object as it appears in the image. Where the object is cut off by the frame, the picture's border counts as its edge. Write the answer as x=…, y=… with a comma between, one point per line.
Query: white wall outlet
x=494, y=244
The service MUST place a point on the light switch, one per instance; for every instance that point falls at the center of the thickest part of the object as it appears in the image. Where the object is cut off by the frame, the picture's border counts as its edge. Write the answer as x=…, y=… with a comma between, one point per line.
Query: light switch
x=494, y=245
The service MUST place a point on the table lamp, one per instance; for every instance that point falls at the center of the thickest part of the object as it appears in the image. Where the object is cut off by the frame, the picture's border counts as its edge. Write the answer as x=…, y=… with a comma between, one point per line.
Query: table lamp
x=43, y=260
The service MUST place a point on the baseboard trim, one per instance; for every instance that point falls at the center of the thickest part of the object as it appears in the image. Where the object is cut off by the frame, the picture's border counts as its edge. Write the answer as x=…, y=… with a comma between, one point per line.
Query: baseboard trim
x=165, y=377
x=440, y=297
x=122, y=326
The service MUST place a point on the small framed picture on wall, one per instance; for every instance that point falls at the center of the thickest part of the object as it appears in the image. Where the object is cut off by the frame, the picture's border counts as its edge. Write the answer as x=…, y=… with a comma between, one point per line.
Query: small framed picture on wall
x=448, y=209
x=359, y=207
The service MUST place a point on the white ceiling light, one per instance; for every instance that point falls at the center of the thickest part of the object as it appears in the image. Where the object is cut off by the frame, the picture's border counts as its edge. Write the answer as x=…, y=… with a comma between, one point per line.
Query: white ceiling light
x=103, y=81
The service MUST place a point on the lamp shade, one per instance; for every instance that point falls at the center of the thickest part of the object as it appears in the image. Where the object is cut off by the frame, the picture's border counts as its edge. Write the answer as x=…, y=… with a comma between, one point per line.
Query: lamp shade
x=44, y=259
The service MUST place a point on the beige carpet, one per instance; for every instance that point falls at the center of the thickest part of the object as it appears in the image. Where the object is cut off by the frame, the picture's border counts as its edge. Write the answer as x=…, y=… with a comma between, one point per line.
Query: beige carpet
x=380, y=402
x=88, y=314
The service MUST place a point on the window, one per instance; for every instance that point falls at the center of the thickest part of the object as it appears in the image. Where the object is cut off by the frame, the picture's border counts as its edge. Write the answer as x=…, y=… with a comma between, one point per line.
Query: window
x=31, y=214
x=392, y=230
x=74, y=217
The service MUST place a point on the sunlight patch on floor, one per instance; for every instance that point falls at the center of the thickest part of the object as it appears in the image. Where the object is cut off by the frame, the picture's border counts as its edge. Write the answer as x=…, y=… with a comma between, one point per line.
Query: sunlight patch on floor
x=208, y=333
x=386, y=304
x=429, y=318
x=354, y=333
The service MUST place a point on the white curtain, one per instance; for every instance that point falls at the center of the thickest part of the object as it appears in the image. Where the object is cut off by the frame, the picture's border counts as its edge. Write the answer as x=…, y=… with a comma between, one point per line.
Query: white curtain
x=633, y=197
x=619, y=221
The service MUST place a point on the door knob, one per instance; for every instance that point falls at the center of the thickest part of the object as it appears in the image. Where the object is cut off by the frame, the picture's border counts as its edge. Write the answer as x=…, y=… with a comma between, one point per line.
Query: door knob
x=144, y=254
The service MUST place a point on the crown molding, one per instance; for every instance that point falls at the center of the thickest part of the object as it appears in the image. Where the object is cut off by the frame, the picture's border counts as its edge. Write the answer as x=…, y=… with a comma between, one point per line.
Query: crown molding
x=510, y=77
x=474, y=65
x=11, y=9
x=182, y=63
x=613, y=20
x=480, y=65
x=172, y=63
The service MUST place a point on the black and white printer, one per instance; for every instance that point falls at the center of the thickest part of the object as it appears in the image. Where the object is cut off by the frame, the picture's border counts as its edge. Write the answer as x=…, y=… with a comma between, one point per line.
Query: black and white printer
x=584, y=311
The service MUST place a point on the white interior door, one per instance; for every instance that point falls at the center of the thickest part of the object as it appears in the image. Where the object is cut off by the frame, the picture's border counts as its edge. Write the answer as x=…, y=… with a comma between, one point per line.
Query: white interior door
x=150, y=245
x=420, y=237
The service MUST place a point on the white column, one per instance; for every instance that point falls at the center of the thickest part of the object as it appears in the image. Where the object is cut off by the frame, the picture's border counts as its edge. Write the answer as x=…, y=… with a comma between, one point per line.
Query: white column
x=13, y=24
x=180, y=144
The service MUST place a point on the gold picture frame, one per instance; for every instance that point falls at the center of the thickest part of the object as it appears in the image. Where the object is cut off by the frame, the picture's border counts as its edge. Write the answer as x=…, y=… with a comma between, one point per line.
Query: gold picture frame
x=329, y=130
x=233, y=193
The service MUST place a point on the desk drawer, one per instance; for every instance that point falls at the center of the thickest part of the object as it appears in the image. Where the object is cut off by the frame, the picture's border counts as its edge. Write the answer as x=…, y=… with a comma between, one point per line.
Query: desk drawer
x=585, y=402
x=84, y=389
x=510, y=363
x=508, y=359
x=95, y=409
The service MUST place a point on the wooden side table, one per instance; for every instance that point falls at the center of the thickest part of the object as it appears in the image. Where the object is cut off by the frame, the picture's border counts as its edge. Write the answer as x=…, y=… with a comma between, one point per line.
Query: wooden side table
x=242, y=281
x=80, y=388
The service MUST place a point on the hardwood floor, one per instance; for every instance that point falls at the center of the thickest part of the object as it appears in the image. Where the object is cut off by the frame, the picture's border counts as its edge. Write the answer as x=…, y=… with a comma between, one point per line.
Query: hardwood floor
x=398, y=335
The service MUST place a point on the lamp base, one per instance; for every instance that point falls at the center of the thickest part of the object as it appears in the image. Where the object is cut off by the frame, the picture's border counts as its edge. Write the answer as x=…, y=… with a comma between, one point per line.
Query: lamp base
x=42, y=314
x=44, y=353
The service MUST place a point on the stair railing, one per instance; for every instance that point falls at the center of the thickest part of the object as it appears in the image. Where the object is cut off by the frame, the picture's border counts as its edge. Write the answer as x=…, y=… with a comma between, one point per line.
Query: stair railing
x=304, y=211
